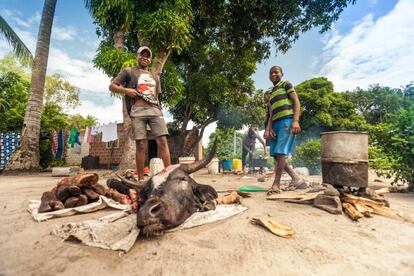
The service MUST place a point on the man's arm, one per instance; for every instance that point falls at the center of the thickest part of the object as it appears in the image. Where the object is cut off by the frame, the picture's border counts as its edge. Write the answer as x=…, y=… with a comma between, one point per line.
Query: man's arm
x=263, y=142
x=116, y=87
x=296, y=111
x=268, y=133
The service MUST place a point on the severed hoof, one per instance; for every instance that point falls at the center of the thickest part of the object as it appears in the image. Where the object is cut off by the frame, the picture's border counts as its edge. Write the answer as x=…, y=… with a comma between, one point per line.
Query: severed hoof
x=64, y=192
x=82, y=200
x=71, y=202
x=44, y=205
x=99, y=188
x=56, y=205
x=86, y=180
x=91, y=194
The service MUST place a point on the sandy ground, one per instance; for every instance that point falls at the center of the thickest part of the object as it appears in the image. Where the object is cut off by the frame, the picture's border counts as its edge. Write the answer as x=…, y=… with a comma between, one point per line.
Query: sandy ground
x=324, y=244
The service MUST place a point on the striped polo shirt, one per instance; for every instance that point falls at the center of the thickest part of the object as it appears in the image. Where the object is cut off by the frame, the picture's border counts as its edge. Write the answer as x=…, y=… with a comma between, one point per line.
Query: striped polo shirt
x=282, y=106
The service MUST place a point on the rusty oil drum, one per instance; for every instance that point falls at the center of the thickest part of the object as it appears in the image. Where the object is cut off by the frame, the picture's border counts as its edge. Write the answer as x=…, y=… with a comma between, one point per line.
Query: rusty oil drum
x=344, y=158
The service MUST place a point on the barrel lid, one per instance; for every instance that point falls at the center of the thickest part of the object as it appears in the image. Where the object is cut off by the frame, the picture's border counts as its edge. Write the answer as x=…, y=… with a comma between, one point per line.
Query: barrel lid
x=343, y=131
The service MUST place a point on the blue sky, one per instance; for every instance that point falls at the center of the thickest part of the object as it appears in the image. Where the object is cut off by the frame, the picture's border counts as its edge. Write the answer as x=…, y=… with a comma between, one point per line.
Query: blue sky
x=370, y=43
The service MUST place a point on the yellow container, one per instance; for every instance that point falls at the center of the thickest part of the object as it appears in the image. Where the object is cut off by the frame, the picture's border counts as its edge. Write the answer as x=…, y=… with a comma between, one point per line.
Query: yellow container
x=237, y=165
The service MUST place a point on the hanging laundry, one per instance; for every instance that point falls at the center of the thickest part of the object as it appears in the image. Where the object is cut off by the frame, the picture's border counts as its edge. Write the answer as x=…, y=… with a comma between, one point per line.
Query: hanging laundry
x=90, y=135
x=109, y=132
x=73, y=137
x=60, y=145
x=54, y=143
x=96, y=130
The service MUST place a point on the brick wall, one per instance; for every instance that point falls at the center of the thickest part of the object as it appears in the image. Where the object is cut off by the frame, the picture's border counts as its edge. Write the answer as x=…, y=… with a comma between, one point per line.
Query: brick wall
x=105, y=153
x=98, y=148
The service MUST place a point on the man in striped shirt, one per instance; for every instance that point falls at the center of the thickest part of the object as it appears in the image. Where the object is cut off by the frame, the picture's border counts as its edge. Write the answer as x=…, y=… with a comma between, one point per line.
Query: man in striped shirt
x=283, y=109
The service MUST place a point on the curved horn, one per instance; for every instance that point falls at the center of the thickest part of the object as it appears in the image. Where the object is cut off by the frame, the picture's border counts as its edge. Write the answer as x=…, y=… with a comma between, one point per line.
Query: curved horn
x=131, y=184
x=203, y=162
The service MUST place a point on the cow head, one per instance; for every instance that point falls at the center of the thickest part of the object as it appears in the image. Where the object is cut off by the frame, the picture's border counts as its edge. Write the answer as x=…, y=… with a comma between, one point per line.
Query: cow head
x=172, y=196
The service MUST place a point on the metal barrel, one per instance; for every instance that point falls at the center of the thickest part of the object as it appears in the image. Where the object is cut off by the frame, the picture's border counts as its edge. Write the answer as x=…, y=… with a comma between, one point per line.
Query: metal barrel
x=344, y=158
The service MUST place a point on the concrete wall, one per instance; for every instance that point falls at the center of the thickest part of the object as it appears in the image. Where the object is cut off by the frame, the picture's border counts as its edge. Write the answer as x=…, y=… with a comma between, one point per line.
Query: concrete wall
x=74, y=155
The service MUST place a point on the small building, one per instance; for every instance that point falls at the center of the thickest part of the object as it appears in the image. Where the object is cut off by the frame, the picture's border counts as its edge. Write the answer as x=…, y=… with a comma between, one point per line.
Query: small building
x=110, y=153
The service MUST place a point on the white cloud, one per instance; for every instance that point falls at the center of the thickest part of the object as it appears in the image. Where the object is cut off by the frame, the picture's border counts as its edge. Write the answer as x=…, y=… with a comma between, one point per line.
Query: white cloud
x=374, y=51
x=78, y=72
x=64, y=33
x=104, y=114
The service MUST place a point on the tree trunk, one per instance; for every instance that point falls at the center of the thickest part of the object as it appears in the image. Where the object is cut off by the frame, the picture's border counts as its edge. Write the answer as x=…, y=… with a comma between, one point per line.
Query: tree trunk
x=162, y=57
x=128, y=152
x=194, y=137
x=119, y=39
x=27, y=156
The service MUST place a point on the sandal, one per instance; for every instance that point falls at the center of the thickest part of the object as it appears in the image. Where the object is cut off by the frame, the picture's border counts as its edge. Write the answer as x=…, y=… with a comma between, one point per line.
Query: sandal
x=272, y=191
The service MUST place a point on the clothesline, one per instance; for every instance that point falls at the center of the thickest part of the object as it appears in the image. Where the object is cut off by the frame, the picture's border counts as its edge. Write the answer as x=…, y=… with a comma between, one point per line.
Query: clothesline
x=109, y=132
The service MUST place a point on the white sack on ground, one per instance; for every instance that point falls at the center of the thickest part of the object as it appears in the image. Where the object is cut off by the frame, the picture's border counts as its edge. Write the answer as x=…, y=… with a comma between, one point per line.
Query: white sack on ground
x=102, y=203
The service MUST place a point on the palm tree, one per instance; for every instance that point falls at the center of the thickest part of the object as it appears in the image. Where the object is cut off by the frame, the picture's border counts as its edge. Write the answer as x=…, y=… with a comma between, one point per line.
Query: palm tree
x=19, y=48
x=27, y=156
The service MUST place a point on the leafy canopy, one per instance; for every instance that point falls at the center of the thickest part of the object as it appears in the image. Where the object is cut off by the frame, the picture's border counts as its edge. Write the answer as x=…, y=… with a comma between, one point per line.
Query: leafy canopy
x=375, y=102
x=325, y=109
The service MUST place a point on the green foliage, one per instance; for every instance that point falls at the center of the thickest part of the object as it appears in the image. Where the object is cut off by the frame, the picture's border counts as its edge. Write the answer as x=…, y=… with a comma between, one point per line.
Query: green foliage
x=408, y=95
x=112, y=14
x=324, y=109
x=59, y=91
x=80, y=123
x=308, y=155
x=380, y=161
x=9, y=63
x=53, y=118
x=395, y=140
x=237, y=117
x=20, y=49
x=168, y=27
x=172, y=86
x=225, y=147
x=13, y=100
x=111, y=60
x=375, y=102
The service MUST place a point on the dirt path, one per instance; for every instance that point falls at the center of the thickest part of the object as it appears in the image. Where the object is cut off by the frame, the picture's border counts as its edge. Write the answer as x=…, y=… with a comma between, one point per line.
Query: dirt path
x=324, y=244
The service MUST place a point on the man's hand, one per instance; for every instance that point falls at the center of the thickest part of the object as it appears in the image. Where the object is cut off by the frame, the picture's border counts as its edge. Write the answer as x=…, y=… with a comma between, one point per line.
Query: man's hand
x=269, y=134
x=131, y=92
x=295, y=127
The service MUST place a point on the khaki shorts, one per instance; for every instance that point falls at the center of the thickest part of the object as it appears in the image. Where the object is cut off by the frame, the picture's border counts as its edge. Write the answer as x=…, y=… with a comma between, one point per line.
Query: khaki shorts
x=156, y=123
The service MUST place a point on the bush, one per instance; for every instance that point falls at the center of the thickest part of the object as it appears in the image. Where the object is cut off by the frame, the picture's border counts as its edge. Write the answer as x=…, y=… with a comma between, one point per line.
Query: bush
x=46, y=156
x=308, y=155
x=393, y=155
